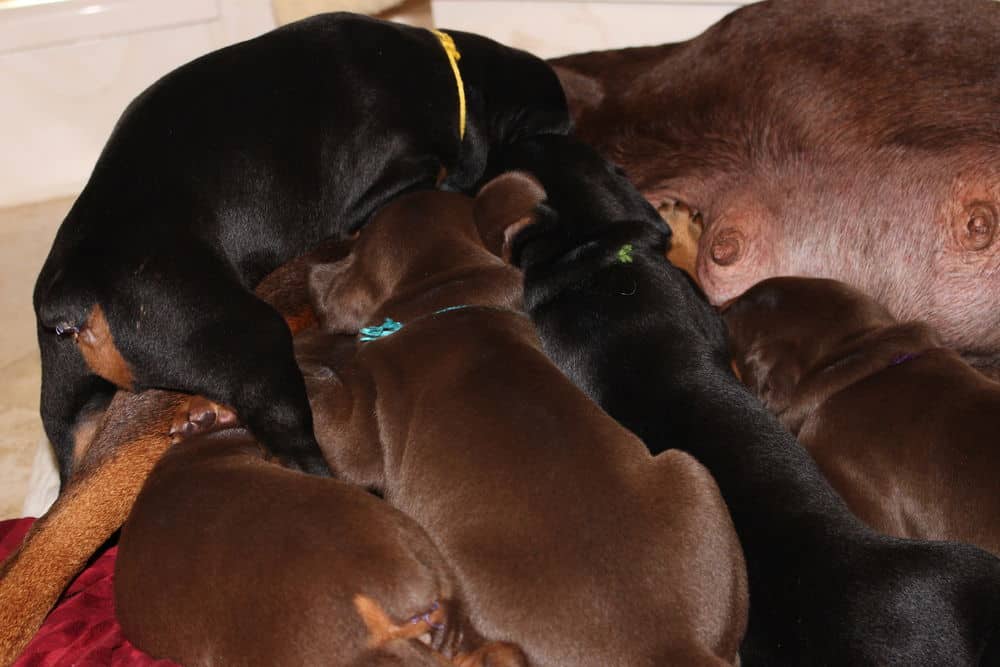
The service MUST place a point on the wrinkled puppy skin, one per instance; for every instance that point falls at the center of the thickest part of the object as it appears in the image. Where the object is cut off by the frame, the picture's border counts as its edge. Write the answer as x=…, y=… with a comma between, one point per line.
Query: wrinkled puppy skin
x=902, y=427
x=215, y=516
x=567, y=537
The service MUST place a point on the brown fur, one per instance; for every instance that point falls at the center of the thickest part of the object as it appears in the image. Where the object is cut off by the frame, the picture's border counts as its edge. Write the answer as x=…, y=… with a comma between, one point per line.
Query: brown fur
x=132, y=436
x=854, y=140
x=910, y=443
x=98, y=349
x=568, y=538
x=257, y=564
x=284, y=289
x=109, y=473
x=686, y=229
x=83, y=434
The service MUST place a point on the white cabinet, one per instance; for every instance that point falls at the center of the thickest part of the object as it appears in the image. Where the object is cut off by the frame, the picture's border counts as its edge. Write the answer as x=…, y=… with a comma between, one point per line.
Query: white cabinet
x=69, y=68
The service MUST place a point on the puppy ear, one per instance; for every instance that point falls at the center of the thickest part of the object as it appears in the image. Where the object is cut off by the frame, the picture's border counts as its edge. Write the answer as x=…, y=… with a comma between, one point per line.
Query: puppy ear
x=505, y=206
x=326, y=295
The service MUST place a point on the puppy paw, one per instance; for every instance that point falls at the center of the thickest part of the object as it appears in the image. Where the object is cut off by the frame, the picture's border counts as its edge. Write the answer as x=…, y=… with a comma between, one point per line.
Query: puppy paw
x=494, y=654
x=382, y=629
x=200, y=415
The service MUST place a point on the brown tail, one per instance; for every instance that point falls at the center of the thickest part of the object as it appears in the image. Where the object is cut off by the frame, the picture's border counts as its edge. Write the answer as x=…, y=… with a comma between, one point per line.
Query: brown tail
x=132, y=436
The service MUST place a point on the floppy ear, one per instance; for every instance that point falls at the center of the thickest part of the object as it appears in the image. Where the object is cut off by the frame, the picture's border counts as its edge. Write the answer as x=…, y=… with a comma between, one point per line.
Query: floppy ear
x=333, y=304
x=505, y=206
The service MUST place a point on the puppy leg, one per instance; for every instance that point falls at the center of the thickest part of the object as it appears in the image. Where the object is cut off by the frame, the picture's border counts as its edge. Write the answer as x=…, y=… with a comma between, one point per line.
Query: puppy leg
x=92, y=506
x=71, y=396
x=199, y=331
x=255, y=372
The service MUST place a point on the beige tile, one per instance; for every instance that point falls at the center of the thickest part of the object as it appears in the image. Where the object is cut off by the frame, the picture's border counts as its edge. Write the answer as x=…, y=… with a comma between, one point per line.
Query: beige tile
x=20, y=430
x=26, y=233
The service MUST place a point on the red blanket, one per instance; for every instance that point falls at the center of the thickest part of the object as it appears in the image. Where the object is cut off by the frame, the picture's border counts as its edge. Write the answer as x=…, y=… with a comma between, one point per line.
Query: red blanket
x=82, y=630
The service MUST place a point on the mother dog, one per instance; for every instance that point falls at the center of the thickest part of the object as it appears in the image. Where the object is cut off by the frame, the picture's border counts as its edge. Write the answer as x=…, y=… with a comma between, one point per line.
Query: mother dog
x=850, y=139
x=233, y=164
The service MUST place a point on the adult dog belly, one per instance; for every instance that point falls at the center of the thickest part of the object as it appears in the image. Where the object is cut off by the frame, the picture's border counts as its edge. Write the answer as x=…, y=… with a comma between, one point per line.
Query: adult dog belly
x=855, y=141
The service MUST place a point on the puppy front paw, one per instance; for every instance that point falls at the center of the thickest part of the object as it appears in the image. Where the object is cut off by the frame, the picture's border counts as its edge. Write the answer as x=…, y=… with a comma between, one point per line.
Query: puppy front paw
x=493, y=654
x=200, y=415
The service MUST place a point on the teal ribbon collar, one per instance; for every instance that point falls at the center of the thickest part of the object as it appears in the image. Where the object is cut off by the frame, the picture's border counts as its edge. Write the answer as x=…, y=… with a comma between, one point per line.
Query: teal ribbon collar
x=390, y=326
x=387, y=328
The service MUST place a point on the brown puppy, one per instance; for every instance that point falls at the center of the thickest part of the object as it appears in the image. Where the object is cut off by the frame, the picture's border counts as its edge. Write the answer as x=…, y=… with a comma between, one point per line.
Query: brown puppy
x=904, y=429
x=567, y=536
x=216, y=521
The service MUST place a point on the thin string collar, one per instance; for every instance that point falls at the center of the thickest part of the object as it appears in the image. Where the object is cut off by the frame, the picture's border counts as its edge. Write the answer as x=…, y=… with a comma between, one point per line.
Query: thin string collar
x=390, y=326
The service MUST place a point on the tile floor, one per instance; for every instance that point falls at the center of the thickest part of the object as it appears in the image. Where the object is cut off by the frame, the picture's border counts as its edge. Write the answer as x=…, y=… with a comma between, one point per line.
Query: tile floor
x=26, y=233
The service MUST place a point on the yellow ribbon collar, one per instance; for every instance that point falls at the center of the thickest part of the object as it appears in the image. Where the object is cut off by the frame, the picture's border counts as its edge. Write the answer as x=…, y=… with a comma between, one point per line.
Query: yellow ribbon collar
x=453, y=57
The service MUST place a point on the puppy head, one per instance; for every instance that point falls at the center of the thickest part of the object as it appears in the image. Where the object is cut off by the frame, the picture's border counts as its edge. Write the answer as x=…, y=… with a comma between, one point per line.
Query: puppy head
x=504, y=207
x=345, y=293
x=416, y=239
x=782, y=328
x=586, y=198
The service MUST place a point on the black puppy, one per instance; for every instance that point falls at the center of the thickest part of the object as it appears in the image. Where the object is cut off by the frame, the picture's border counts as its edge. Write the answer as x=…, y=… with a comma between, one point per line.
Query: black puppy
x=233, y=164
x=635, y=333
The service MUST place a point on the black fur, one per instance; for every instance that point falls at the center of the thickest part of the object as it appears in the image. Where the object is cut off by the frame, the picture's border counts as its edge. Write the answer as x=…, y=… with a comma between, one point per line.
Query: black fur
x=240, y=160
x=824, y=590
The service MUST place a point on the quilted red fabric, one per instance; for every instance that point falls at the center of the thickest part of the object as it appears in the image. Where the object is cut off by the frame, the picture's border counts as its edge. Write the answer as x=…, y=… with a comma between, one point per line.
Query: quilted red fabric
x=82, y=630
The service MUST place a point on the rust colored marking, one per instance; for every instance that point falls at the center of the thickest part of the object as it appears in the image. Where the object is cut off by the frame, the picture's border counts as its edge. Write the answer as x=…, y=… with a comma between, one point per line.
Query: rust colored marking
x=494, y=654
x=736, y=370
x=99, y=351
x=382, y=629
x=83, y=434
x=442, y=174
x=301, y=320
x=686, y=227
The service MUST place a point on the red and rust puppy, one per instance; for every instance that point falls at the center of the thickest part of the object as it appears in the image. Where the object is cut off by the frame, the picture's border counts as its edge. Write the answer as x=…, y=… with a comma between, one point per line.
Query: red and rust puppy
x=568, y=538
x=903, y=428
x=216, y=522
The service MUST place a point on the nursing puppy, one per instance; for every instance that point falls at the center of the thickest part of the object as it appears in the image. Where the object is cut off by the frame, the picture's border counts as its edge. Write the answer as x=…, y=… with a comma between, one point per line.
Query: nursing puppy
x=635, y=333
x=903, y=428
x=566, y=536
x=236, y=162
x=230, y=559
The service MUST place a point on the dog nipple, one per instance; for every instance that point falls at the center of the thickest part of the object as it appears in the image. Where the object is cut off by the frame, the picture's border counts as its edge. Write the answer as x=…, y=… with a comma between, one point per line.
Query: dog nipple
x=727, y=247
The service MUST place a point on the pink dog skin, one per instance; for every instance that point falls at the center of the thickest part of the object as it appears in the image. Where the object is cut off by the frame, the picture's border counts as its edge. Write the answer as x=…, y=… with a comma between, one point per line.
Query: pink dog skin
x=856, y=141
